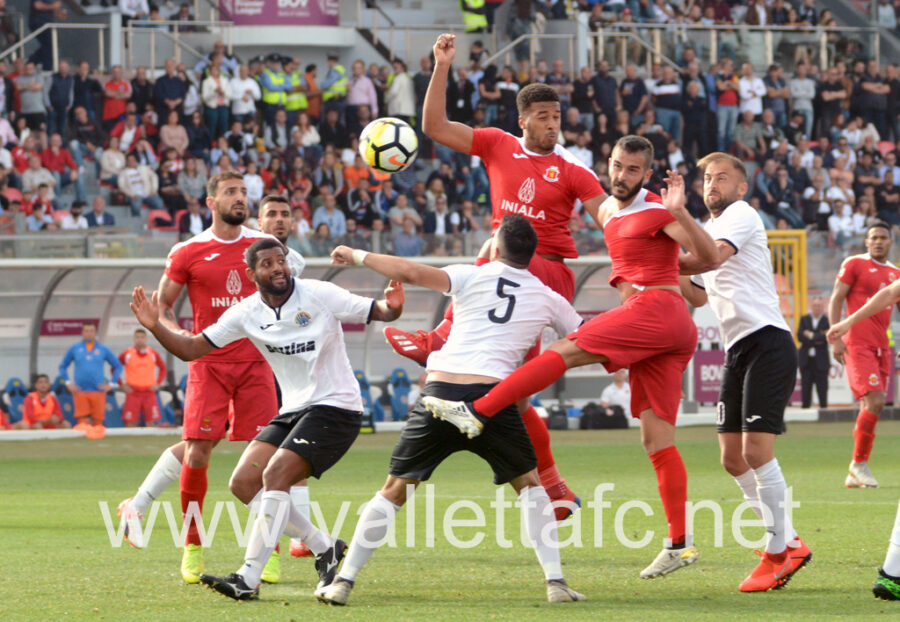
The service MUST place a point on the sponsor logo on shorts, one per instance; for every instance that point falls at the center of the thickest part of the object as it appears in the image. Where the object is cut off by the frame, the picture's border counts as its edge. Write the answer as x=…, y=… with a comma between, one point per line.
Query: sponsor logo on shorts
x=302, y=319
x=720, y=413
x=753, y=418
x=294, y=348
x=300, y=441
x=873, y=380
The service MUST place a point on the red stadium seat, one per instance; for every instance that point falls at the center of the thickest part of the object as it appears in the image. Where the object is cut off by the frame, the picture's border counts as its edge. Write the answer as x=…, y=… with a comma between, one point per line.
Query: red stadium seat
x=160, y=215
x=885, y=147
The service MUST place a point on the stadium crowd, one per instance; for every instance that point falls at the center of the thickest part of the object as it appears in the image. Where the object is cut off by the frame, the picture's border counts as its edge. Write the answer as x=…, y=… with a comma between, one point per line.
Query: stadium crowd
x=819, y=143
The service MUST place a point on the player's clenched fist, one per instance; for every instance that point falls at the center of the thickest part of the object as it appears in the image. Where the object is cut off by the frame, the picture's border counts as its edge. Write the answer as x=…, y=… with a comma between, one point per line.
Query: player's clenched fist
x=445, y=48
x=342, y=256
x=394, y=295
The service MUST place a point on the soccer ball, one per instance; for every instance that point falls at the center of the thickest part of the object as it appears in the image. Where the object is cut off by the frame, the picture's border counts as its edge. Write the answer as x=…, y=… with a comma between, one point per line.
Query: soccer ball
x=388, y=144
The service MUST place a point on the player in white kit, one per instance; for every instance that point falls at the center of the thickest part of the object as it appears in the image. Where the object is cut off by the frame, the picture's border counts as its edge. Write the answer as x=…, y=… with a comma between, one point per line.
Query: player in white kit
x=296, y=325
x=500, y=310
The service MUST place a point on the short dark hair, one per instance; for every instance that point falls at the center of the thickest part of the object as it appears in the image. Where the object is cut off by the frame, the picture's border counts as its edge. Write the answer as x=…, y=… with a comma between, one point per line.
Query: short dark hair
x=517, y=239
x=534, y=93
x=263, y=244
x=636, y=144
x=879, y=224
x=310, y=67
x=215, y=180
x=273, y=198
x=89, y=323
x=39, y=376
x=140, y=331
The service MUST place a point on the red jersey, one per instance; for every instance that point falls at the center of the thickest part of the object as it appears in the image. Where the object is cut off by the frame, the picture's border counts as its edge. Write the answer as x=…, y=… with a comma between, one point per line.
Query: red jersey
x=215, y=275
x=115, y=108
x=37, y=410
x=641, y=253
x=865, y=276
x=142, y=369
x=543, y=188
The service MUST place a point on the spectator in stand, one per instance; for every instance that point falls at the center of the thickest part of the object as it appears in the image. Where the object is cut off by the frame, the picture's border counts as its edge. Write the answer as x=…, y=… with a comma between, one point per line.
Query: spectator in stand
x=98, y=216
x=751, y=91
x=727, y=99
x=331, y=216
x=605, y=91
x=41, y=410
x=74, y=220
x=112, y=163
x=322, y=243
x=9, y=31
x=199, y=141
x=333, y=132
x=63, y=168
x=816, y=205
x=39, y=219
x=329, y=173
x=406, y=242
x=194, y=220
x=172, y=135
x=887, y=197
x=144, y=374
x=360, y=92
x=169, y=191
x=133, y=10
x=693, y=111
x=192, y=180
x=141, y=89
x=128, y=132
x=30, y=86
x=667, y=102
x=633, y=95
x=803, y=92
x=89, y=385
x=400, y=96
x=244, y=95
x=277, y=135
x=116, y=93
x=313, y=93
x=139, y=184
x=37, y=175
x=169, y=91
x=438, y=222
x=360, y=206
x=42, y=13
x=216, y=94
x=58, y=98
x=87, y=91
x=777, y=94
x=353, y=238
x=8, y=94
x=873, y=91
x=85, y=138
x=831, y=96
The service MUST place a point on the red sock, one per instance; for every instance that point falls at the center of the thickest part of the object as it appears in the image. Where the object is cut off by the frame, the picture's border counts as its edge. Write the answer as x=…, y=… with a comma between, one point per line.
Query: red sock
x=864, y=435
x=532, y=377
x=551, y=480
x=193, y=488
x=671, y=478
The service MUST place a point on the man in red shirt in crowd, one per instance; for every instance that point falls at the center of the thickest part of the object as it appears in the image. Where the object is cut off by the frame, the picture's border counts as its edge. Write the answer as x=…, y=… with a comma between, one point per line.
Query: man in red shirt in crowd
x=116, y=93
x=21, y=153
x=60, y=163
x=145, y=372
x=727, y=100
x=42, y=410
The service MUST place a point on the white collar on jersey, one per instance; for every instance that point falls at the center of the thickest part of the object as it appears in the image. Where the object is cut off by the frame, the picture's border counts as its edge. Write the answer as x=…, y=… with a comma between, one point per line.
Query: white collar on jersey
x=534, y=154
x=880, y=263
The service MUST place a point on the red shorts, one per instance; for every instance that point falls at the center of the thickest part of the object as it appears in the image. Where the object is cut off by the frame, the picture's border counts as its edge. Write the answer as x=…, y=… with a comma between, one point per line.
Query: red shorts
x=210, y=388
x=653, y=335
x=138, y=401
x=867, y=369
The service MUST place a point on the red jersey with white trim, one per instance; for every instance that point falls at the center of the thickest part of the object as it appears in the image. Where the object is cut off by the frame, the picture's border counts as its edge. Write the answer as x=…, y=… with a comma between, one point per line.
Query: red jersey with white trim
x=865, y=276
x=542, y=188
x=641, y=253
x=215, y=275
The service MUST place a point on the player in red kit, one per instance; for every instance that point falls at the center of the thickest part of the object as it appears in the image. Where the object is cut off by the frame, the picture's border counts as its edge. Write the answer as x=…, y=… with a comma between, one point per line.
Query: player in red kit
x=866, y=353
x=533, y=177
x=652, y=333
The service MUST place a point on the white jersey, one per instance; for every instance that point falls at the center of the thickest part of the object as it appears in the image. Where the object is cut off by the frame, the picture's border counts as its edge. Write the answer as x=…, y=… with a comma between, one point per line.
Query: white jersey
x=498, y=314
x=295, y=262
x=618, y=396
x=742, y=291
x=302, y=341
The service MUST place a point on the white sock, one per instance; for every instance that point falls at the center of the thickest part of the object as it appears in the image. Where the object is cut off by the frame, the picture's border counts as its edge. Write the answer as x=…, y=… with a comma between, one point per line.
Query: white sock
x=892, y=561
x=301, y=528
x=370, y=532
x=747, y=482
x=166, y=470
x=300, y=499
x=267, y=529
x=540, y=523
x=770, y=487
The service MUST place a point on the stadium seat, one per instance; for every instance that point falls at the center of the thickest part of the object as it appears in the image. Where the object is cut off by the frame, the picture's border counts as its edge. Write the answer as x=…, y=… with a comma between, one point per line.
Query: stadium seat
x=166, y=409
x=399, y=388
x=14, y=394
x=885, y=147
x=369, y=404
x=65, y=399
x=160, y=215
x=113, y=417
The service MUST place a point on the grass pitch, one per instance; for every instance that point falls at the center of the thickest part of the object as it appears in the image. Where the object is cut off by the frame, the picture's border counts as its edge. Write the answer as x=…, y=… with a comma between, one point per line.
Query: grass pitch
x=57, y=562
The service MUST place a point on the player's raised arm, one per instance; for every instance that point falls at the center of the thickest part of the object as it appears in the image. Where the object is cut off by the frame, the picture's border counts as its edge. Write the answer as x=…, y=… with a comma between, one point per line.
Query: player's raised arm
x=167, y=294
x=396, y=268
x=886, y=297
x=147, y=312
x=685, y=230
x=435, y=123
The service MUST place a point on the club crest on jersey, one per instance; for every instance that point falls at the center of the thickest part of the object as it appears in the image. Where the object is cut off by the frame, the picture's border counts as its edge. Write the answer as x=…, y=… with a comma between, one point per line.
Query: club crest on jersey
x=552, y=173
x=892, y=277
x=233, y=283
x=526, y=191
x=873, y=380
x=302, y=319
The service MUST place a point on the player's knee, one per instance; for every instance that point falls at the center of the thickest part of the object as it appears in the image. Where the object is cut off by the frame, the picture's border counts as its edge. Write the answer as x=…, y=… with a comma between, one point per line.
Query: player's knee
x=874, y=402
x=278, y=475
x=197, y=454
x=394, y=490
x=242, y=486
x=734, y=465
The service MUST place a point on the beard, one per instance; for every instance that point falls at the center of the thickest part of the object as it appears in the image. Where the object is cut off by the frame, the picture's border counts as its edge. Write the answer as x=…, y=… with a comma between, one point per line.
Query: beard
x=718, y=204
x=629, y=191
x=269, y=288
x=232, y=219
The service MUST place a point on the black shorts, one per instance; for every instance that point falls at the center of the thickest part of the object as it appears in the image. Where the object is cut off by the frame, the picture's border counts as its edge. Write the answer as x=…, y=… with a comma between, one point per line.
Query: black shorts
x=427, y=441
x=320, y=434
x=757, y=382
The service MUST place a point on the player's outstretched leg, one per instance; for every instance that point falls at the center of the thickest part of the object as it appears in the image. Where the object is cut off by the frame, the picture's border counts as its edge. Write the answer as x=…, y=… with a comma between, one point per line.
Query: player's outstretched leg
x=166, y=470
x=232, y=586
x=565, y=501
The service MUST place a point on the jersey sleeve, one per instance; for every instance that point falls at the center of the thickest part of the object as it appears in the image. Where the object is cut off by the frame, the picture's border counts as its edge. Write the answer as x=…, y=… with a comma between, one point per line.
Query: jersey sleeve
x=485, y=140
x=565, y=318
x=583, y=183
x=847, y=273
x=736, y=226
x=227, y=328
x=345, y=306
x=176, y=264
x=459, y=275
x=296, y=262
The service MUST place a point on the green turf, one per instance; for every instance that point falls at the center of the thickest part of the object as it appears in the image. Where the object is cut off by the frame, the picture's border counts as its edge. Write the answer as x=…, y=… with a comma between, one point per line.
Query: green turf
x=57, y=562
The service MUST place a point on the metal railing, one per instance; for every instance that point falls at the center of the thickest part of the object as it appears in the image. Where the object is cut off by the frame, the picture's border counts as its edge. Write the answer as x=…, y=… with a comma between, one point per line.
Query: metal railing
x=18, y=48
x=172, y=32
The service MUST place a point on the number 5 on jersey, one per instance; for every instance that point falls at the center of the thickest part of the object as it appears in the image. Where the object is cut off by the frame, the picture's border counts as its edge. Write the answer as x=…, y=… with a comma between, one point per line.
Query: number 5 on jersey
x=510, y=302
